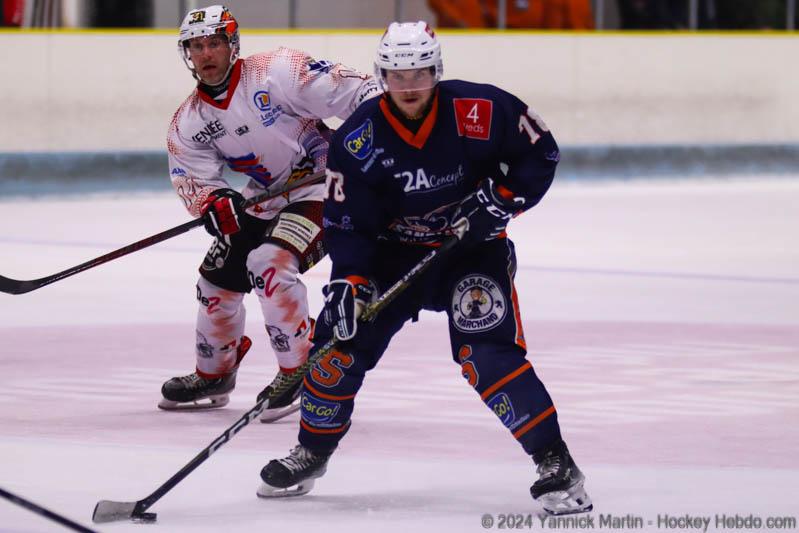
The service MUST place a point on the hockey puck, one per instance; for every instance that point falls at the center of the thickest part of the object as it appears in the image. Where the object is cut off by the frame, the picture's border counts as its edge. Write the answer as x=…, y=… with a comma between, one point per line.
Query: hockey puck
x=144, y=517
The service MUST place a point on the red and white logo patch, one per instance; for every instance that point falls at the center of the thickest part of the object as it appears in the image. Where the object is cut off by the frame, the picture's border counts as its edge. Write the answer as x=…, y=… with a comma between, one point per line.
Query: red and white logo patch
x=473, y=117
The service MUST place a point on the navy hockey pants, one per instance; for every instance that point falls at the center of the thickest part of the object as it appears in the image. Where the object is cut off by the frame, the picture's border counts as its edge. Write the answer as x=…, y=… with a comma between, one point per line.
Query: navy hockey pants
x=475, y=287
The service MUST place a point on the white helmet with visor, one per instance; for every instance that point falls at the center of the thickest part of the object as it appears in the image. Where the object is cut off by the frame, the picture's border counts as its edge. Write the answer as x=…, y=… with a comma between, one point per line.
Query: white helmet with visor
x=204, y=22
x=409, y=46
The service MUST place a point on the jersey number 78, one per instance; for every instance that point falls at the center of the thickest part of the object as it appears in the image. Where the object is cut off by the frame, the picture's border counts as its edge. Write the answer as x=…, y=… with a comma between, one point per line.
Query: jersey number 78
x=335, y=181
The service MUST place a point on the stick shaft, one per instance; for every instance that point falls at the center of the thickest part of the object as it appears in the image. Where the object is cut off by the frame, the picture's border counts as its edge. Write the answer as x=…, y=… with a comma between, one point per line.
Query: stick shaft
x=385, y=299
x=13, y=286
x=38, y=509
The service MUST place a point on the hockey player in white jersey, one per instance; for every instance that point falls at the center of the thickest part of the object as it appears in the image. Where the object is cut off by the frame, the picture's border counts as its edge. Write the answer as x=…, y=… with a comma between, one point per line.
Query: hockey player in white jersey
x=261, y=116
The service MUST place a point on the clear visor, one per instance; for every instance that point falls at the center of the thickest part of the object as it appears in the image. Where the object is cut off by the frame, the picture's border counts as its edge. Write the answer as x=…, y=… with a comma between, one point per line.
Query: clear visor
x=198, y=45
x=418, y=79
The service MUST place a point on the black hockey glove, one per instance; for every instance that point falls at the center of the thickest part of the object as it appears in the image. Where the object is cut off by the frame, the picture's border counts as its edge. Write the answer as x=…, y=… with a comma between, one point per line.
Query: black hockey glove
x=223, y=213
x=345, y=300
x=484, y=214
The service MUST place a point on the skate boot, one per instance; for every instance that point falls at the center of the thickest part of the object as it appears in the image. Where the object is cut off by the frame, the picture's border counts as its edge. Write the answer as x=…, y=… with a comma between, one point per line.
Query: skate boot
x=194, y=392
x=560, y=484
x=294, y=475
x=287, y=403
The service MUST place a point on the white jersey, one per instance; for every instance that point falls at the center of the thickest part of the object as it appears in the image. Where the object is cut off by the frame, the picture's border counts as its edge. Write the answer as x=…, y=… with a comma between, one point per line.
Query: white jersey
x=267, y=126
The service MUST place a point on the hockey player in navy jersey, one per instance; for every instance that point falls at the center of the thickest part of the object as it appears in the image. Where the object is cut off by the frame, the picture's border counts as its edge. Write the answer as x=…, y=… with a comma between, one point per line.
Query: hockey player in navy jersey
x=405, y=171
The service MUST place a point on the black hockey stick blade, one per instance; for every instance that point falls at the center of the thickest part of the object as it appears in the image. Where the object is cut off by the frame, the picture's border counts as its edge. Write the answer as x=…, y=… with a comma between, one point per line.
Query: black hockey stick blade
x=15, y=286
x=110, y=511
x=38, y=509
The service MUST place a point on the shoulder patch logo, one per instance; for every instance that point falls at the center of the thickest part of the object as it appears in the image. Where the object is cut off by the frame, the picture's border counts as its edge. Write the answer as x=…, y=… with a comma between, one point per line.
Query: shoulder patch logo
x=359, y=142
x=473, y=117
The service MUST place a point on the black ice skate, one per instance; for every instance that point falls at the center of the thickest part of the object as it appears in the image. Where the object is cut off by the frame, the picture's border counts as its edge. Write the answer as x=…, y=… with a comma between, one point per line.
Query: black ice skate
x=194, y=392
x=294, y=475
x=286, y=404
x=560, y=484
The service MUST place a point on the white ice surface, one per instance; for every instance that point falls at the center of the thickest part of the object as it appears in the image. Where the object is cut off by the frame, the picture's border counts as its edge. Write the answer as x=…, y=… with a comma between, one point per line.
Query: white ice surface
x=662, y=317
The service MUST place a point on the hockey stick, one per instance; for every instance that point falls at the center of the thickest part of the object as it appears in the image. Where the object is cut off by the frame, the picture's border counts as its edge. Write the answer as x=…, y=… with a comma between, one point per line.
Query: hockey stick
x=38, y=509
x=15, y=286
x=109, y=511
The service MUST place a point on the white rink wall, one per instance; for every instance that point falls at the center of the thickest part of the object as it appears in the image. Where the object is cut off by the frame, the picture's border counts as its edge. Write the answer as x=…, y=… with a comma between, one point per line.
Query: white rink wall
x=104, y=91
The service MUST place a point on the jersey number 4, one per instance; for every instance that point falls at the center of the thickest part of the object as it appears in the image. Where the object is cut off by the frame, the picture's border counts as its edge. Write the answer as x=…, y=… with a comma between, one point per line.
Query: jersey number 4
x=526, y=125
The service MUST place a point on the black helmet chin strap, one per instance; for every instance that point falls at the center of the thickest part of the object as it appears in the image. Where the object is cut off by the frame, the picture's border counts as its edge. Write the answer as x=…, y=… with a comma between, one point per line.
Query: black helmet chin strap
x=215, y=90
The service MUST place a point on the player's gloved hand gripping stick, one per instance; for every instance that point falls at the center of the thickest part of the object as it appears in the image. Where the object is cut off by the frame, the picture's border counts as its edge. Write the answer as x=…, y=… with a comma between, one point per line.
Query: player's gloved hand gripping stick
x=15, y=286
x=345, y=301
x=109, y=511
x=484, y=214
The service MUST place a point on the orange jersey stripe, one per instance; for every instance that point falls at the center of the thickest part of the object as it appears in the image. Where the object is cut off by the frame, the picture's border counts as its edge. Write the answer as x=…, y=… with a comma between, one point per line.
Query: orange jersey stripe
x=517, y=316
x=493, y=388
x=417, y=139
x=534, y=422
x=322, y=394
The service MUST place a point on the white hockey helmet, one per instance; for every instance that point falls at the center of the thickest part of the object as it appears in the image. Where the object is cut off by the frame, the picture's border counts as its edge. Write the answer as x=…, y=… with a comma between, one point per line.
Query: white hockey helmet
x=408, y=46
x=211, y=20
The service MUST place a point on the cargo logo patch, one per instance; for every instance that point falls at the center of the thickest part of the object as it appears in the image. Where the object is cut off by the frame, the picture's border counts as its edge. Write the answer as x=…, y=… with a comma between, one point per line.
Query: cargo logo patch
x=360, y=141
x=502, y=407
x=318, y=412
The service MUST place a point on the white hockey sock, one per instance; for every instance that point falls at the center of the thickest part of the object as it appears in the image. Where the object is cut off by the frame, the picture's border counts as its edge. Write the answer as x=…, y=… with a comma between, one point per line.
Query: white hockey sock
x=220, y=325
x=284, y=302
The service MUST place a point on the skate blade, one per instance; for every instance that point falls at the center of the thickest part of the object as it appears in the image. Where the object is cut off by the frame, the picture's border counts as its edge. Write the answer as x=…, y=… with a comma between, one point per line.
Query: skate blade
x=276, y=413
x=268, y=491
x=211, y=402
x=563, y=502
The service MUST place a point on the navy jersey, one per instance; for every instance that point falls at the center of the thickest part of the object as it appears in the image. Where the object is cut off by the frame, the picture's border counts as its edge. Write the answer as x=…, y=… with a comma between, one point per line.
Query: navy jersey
x=386, y=183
